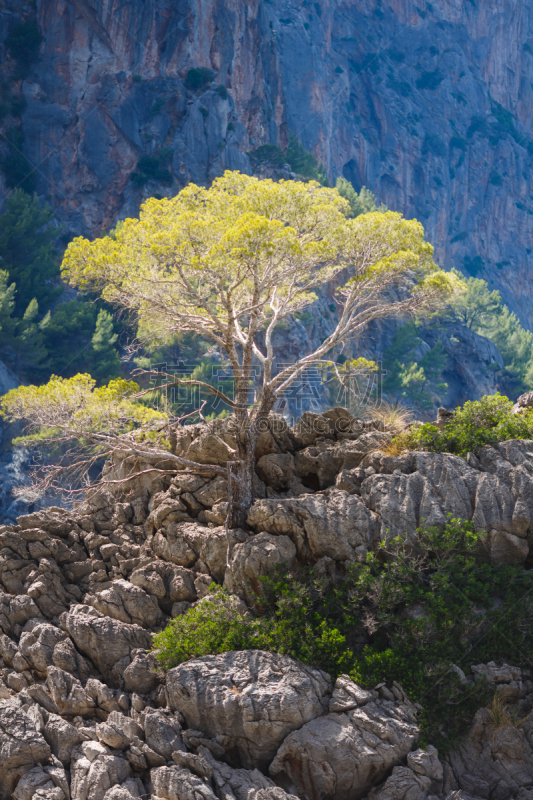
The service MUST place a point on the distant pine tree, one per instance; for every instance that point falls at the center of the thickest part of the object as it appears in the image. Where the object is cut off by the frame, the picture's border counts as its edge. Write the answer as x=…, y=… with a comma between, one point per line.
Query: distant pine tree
x=362, y=203
x=26, y=250
x=104, y=359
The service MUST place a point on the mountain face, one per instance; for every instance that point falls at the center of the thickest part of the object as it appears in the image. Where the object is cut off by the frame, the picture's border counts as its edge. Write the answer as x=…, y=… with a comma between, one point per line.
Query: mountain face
x=428, y=105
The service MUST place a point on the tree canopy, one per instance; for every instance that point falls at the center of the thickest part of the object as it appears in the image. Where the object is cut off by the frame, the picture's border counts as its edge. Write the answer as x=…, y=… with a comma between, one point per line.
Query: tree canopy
x=231, y=262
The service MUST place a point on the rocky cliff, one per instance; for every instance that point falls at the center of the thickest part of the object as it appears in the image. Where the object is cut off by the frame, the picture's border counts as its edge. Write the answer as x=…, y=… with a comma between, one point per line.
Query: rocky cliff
x=84, y=715
x=427, y=104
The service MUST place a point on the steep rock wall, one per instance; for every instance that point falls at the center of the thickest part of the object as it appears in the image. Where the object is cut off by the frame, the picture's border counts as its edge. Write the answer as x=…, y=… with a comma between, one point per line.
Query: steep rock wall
x=430, y=106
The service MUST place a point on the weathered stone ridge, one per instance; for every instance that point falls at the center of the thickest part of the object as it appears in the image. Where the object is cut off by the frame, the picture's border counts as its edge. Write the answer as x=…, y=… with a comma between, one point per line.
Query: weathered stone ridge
x=86, y=715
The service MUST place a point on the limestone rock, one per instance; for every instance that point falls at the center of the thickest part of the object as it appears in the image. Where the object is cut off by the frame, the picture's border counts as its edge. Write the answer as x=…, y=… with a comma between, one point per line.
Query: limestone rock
x=176, y=783
x=127, y=603
x=92, y=775
x=118, y=731
x=341, y=756
x=62, y=737
x=105, y=641
x=252, y=697
x=37, y=645
x=255, y=557
x=167, y=582
x=186, y=543
x=403, y=784
x=243, y=784
x=347, y=695
x=68, y=694
x=163, y=733
x=38, y=784
x=326, y=459
x=494, y=761
x=140, y=675
x=22, y=747
x=310, y=519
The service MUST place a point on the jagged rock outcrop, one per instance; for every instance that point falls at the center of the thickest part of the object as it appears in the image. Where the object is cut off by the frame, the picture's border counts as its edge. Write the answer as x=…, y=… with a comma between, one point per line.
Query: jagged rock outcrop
x=342, y=755
x=251, y=698
x=85, y=713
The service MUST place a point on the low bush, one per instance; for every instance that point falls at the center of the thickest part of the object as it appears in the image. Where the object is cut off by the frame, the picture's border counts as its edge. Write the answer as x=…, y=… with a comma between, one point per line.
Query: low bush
x=198, y=78
x=474, y=425
x=419, y=610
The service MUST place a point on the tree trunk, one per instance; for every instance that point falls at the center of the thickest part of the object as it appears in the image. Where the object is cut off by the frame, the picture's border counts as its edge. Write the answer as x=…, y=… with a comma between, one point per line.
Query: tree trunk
x=242, y=490
x=242, y=483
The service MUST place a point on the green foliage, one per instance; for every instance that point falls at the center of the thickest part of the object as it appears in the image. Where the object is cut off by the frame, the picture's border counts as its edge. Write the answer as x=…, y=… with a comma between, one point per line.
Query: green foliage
x=473, y=425
x=104, y=358
x=303, y=163
x=424, y=605
x=430, y=80
x=222, y=92
x=152, y=168
x=26, y=250
x=362, y=203
x=409, y=377
x=268, y=155
x=28, y=348
x=198, y=78
x=68, y=335
x=23, y=44
x=516, y=347
x=484, y=312
x=15, y=166
x=433, y=144
x=7, y=304
x=476, y=306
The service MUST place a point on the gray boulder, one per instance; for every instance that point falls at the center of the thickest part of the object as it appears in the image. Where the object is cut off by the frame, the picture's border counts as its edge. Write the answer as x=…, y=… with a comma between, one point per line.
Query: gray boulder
x=176, y=783
x=22, y=747
x=496, y=760
x=163, y=733
x=94, y=770
x=37, y=645
x=251, y=698
x=403, y=784
x=62, y=737
x=39, y=784
x=127, y=603
x=243, y=784
x=140, y=676
x=309, y=521
x=257, y=556
x=185, y=544
x=68, y=694
x=105, y=641
x=342, y=755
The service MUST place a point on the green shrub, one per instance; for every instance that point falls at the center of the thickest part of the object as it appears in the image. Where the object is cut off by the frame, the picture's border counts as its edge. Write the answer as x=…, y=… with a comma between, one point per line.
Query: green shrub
x=433, y=144
x=198, y=78
x=425, y=605
x=152, y=168
x=476, y=424
x=23, y=44
x=222, y=92
x=430, y=80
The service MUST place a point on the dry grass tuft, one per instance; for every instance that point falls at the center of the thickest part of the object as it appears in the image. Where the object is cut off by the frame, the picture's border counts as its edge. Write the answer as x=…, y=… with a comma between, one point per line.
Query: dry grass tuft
x=501, y=716
x=395, y=414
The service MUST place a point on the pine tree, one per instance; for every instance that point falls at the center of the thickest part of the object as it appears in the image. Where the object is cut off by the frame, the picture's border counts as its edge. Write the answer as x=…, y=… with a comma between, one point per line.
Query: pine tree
x=68, y=337
x=29, y=345
x=362, y=203
x=105, y=361
x=7, y=303
x=26, y=250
